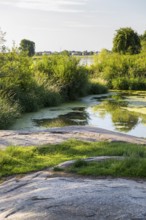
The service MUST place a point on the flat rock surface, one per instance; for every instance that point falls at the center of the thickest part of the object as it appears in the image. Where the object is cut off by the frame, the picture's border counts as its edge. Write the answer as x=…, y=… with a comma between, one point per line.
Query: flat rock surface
x=57, y=135
x=44, y=196
x=47, y=196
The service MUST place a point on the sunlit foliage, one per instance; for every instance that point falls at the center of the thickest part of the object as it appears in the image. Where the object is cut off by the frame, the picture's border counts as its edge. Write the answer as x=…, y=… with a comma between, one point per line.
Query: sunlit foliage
x=126, y=41
x=121, y=71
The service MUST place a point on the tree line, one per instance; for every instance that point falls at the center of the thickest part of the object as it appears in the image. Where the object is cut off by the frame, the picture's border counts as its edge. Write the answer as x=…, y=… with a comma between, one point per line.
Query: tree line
x=124, y=67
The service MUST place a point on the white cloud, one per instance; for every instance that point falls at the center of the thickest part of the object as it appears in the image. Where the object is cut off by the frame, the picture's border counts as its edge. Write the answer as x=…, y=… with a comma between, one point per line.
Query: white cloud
x=8, y=2
x=71, y=3
x=70, y=6
x=48, y=29
x=85, y=25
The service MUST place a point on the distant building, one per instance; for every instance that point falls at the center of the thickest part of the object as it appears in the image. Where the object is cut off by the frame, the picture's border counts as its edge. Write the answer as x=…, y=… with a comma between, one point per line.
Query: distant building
x=76, y=53
x=46, y=53
x=72, y=53
x=40, y=53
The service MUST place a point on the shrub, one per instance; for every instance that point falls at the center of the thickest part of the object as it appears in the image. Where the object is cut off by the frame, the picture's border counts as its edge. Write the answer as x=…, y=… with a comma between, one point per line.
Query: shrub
x=8, y=112
x=65, y=73
x=121, y=71
x=97, y=88
x=18, y=81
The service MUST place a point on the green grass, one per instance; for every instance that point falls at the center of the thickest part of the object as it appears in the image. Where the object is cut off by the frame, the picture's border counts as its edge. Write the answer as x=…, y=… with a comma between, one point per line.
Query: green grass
x=18, y=160
x=129, y=167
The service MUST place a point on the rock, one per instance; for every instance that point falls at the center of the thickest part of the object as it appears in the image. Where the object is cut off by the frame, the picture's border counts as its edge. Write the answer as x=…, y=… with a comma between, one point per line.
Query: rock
x=57, y=135
x=91, y=159
x=42, y=196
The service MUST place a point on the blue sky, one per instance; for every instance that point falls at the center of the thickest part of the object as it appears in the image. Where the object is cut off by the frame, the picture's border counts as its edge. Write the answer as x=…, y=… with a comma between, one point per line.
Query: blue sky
x=70, y=24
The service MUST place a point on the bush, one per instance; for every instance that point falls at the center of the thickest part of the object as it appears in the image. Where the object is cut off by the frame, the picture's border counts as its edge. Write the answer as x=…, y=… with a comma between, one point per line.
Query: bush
x=65, y=73
x=128, y=83
x=97, y=88
x=120, y=83
x=8, y=112
x=121, y=71
x=18, y=80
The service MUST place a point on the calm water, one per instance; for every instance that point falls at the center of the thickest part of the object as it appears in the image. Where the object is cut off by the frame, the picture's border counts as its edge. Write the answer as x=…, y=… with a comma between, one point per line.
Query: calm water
x=117, y=111
x=86, y=60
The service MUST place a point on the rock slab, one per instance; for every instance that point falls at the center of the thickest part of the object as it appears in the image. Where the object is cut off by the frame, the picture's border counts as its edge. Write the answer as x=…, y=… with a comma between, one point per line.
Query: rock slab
x=43, y=196
x=57, y=135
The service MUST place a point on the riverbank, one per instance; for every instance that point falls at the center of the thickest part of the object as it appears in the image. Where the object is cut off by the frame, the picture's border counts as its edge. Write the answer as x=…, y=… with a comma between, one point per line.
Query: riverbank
x=41, y=83
x=58, y=135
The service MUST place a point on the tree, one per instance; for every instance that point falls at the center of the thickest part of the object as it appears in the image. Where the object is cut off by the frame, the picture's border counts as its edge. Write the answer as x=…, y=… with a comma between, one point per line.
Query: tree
x=27, y=46
x=2, y=40
x=143, y=41
x=126, y=41
x=65, y=52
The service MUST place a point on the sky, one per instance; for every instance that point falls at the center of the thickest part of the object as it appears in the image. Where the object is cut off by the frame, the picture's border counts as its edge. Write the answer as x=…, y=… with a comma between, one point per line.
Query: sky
x=56, y=25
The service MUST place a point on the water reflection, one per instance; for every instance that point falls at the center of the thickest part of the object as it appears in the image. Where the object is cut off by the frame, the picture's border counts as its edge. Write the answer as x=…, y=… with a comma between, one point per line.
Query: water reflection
x=122, y=119
x=117, y=111
x=79, y=117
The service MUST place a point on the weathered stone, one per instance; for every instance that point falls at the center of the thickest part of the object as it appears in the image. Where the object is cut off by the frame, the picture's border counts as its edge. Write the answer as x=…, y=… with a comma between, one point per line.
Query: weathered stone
x=45, y=197
x=57, y=135
x=98, y=159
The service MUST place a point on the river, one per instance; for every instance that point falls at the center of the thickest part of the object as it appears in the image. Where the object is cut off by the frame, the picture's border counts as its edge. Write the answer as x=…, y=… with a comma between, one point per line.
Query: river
x=120, y=111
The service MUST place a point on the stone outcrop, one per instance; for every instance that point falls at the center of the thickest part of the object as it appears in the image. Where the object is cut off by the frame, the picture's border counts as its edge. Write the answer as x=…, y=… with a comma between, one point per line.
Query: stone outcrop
x=57, y=135
x=44, y=196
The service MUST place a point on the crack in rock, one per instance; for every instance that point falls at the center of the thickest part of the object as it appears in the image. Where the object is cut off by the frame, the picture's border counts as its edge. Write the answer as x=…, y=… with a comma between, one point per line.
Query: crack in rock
x=52, y=206
x=17, y=187
x=13, y=212
x=36, y=198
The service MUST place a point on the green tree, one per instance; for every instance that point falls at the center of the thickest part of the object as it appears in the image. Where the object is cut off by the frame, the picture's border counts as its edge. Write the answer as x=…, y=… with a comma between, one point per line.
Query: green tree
x=2, y=40
x=27, y=45
x=65, y=52
x=143, y=36
x=126, y=41
x=143, y=42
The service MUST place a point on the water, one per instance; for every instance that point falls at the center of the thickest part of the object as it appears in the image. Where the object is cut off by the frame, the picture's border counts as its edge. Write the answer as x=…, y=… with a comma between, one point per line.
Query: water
x=116, y=111
x=86, y=60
